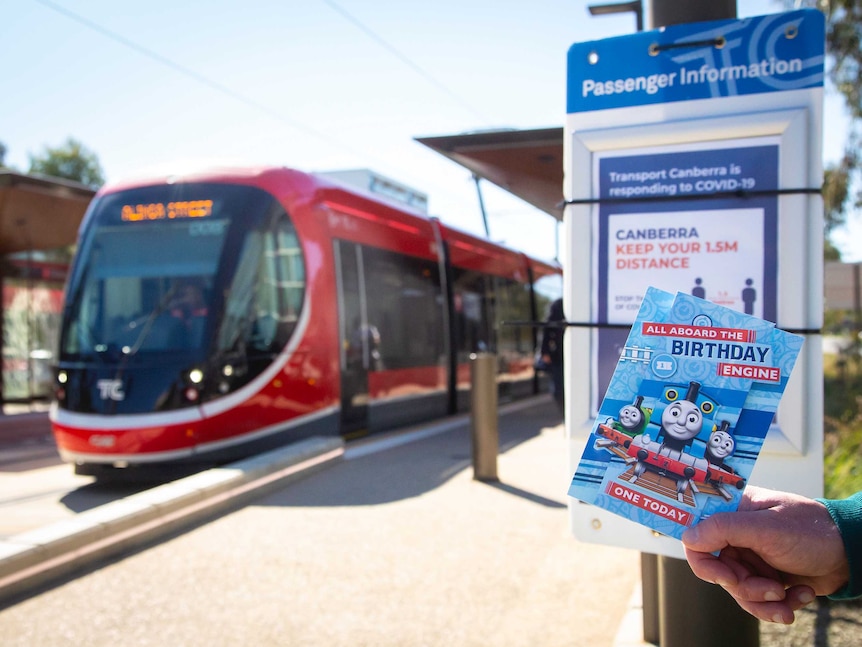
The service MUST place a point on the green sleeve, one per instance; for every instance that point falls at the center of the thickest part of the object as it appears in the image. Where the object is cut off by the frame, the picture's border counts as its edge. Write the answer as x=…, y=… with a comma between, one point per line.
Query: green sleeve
x=847, y=514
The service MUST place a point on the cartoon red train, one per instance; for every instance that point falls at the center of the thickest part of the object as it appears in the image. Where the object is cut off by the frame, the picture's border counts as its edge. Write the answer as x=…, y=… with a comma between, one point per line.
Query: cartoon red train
x=686, y=469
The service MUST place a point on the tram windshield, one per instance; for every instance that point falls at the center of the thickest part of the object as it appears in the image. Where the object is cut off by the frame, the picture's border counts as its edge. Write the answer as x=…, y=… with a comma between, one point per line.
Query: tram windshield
x=146, y=289
x=157, y=265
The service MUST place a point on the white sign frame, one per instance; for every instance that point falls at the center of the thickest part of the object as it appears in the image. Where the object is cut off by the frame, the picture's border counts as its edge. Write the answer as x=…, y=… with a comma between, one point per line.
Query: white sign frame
x=792, y=456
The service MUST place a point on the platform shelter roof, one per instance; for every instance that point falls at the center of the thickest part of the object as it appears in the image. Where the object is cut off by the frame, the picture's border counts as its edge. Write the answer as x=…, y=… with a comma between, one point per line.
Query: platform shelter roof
x=526, y=163
x=38, y=212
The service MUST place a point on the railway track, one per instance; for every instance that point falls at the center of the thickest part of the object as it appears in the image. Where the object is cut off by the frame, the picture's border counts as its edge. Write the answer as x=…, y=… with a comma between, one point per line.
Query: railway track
x=37, y=488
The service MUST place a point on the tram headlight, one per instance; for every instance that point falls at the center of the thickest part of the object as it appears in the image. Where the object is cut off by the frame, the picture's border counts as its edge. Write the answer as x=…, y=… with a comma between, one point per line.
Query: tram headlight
x=60, y=387
x=227, y=372
x=194, y=383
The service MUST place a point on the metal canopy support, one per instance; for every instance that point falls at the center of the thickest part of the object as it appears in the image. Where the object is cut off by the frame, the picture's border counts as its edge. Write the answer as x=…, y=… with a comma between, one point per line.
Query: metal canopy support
x=477, y=180
x=635, y=7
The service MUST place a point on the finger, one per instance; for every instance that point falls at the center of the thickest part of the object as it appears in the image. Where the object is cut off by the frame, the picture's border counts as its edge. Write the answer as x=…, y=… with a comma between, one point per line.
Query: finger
x=800, y=596
x=703, y=537
x=778, y=612
x=758, y=596
x=767, y=599
x=755, y=580
x=735, y=573
x=758, y=589
x=709, y=568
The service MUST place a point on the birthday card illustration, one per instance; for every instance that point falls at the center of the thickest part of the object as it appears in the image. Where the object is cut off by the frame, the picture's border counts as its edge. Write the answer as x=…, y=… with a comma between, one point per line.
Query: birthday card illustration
x=686, y=412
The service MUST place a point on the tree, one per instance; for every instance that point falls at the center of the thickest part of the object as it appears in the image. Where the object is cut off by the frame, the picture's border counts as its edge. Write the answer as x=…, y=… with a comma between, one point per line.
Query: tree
x=71, y=161
x=2, y=155
x=844, y=48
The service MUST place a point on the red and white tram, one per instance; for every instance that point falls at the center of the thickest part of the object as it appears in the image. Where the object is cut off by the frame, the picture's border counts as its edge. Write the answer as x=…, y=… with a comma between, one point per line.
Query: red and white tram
x=215, y=315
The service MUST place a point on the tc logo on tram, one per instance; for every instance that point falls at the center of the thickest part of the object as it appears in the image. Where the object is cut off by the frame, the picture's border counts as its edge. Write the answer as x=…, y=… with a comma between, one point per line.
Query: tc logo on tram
x=111, y=390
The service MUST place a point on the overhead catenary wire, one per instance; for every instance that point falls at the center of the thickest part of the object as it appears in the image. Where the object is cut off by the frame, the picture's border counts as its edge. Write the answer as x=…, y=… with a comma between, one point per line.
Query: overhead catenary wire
x=167, y=62
x=367, y=156
x=245, y=100
x=404, y=59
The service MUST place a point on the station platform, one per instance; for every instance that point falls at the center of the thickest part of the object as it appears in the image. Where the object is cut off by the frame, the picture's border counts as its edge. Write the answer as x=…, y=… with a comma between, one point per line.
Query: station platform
x=391, y=542
x=23, y=424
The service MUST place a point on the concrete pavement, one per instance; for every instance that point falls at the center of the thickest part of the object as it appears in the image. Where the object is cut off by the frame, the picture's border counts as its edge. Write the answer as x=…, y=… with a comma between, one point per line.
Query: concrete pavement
x=393, y=543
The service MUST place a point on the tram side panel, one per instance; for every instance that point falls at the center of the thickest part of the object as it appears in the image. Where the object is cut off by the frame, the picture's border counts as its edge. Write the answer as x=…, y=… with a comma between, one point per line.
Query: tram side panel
x=492, y=288
x=391, y=312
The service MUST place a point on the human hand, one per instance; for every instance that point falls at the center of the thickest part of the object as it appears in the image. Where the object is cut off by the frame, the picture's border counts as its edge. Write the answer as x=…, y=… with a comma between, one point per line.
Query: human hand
x=778, y=551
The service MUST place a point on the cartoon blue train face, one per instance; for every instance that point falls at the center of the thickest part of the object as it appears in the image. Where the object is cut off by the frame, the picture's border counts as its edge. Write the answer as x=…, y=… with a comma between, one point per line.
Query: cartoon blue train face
x=720, y=446
x=683, y=418
x=688, y=413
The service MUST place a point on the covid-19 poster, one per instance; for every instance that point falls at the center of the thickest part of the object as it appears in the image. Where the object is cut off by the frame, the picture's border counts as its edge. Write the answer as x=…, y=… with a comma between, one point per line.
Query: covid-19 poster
x=699, y=220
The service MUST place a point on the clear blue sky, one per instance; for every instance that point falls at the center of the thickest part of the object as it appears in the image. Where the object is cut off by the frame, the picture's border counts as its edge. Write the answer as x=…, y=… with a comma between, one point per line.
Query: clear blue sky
x=312, y=84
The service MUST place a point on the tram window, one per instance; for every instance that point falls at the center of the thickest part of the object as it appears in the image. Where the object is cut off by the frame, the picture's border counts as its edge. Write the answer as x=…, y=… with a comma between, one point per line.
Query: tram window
x=122, y=287
x=513, y=304
x=404, y=305
x=265, y=297
x=291, y=270
x=240, y=293
x=473, y=313
x=128, y=284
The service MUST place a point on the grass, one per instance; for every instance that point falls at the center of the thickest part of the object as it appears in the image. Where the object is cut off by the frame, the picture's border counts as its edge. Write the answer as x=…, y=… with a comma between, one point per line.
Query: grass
x=842, y=381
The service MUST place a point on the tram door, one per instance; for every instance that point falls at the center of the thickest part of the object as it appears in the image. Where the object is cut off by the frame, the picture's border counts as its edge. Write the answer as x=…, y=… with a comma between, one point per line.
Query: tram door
x=356, y=347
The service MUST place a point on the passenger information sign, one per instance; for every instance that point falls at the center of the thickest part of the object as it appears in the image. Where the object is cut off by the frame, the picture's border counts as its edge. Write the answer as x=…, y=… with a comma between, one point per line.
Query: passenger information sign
x=698, y=61
x=693, y=164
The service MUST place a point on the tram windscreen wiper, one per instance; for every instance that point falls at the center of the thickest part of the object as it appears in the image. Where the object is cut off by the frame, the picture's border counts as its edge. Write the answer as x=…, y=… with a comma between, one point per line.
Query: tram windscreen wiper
x=150, y=322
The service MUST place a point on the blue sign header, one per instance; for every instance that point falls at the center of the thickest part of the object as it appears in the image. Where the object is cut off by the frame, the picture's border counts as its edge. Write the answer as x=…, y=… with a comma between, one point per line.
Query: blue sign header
x=698, y=61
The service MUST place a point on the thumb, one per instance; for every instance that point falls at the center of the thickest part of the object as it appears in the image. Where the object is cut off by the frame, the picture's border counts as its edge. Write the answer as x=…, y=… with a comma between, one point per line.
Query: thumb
x=720, y=531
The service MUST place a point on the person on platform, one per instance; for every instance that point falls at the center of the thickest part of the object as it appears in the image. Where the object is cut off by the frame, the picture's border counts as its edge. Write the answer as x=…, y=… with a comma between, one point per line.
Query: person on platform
x=779, y=551
x=552, y=349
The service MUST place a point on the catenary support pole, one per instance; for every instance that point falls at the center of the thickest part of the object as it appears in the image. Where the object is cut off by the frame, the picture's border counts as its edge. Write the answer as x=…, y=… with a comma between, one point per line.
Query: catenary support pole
x=857, y=300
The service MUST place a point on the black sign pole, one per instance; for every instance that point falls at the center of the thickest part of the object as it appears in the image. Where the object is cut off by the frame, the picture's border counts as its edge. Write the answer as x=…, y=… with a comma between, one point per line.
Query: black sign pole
x=688, y=608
